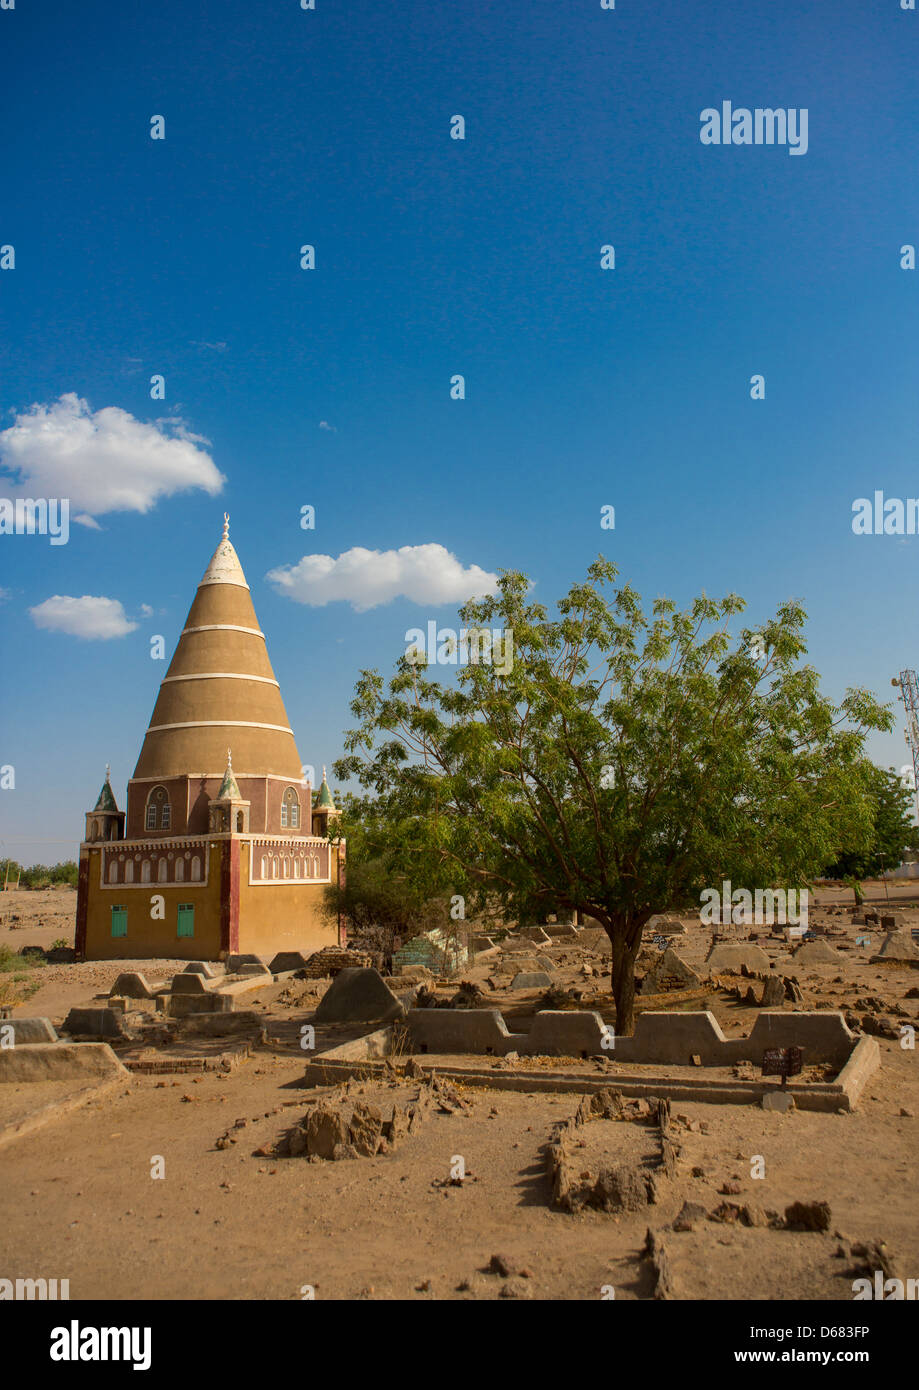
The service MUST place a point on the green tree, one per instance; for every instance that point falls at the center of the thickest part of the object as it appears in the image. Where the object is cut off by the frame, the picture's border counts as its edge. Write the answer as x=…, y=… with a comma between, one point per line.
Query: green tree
x=891, y=830
x=379, y=900
x=619, y=764
x=45, y=875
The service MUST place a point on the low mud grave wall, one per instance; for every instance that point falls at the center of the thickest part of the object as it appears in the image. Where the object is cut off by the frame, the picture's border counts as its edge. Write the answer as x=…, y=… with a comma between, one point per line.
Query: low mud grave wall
x=677, y=1056
x=612, y=1155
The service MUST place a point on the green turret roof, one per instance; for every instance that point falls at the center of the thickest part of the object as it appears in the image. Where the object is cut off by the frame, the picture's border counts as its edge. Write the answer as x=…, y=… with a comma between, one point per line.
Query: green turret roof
x=106, y=800
x=324, y=800
x=229, y=790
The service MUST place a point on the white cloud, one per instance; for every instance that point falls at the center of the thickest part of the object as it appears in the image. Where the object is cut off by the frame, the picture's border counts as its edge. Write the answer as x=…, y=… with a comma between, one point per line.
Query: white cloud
x=103, y=461
x=324, y=425
x=96, y=619
x=146, y=611
x=367, y=578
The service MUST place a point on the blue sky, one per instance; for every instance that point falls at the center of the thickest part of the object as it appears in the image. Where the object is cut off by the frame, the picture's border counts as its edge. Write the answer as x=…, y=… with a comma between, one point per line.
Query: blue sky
x=434, y=257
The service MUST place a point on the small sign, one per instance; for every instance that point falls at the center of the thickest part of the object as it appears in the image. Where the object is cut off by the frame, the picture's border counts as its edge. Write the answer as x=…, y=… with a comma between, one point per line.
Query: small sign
x=782, y=1061
x=660, y=942
x=863, y=941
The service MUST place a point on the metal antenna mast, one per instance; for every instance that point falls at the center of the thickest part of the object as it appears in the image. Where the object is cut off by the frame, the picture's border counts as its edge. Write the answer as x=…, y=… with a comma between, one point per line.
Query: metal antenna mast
x=909, y=693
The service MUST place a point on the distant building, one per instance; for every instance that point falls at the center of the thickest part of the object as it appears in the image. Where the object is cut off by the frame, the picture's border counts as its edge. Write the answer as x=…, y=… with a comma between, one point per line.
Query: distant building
x=223, y=847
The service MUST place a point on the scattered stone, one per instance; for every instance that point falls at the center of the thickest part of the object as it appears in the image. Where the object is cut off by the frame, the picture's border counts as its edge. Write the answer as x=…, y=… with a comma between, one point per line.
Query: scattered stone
x=808, y=1216
x=779, y=1101
x=365, y=1129
x=774, y=993
x=880, y=1026
x=727, y=1214
x=297, y=1142
x=688, y=1216
x=515, y=1288
x=325, y=1131
x=344, y=1151
x=619, y=1189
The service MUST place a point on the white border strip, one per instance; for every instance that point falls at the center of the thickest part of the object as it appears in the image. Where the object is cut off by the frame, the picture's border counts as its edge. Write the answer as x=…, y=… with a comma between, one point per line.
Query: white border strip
x=307, y=847
x=193, y=776
x=220, y=724
x=224, y=627
x=220, y=676
x=154, y=884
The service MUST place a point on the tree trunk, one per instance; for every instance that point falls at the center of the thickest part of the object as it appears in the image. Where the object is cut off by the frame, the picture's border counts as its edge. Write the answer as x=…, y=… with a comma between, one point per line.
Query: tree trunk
x=623, y=984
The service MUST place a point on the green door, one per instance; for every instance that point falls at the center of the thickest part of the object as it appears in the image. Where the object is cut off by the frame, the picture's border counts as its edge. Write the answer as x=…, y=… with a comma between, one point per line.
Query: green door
x=186, y=919
x=119, y=921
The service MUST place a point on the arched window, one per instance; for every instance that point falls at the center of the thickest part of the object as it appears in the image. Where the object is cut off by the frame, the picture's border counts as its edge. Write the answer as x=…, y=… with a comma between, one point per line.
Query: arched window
x=180, y=870
x=159, y=812
x=286, y=867
x=129, y=871
x=275, y=867
x=264, y=866
x=290, y=809
x=113, y=872
x=239, y=822
x=145, y=871
x=196, y=869
x=162, y=872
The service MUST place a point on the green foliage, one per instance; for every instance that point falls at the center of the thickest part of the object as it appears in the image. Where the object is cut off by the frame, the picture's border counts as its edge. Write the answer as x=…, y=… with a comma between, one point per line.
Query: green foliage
x=891, y=830
x=623, y=764
x=11, y=962
x=43, y=875
x=379, y=901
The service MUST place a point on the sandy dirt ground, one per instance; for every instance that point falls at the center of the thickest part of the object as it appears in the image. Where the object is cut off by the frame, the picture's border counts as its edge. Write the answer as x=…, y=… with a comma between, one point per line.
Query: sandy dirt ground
x=80, y=1201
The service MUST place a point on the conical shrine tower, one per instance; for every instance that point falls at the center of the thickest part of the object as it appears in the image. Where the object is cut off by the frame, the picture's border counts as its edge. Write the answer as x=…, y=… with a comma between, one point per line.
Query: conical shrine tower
x=216, y=854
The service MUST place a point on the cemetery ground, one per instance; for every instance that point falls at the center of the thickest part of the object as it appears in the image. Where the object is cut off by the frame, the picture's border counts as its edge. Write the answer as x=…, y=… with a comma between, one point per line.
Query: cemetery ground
x=237, y=1214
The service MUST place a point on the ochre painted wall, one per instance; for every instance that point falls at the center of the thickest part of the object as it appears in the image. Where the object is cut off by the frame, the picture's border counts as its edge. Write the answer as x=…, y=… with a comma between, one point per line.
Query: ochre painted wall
x=281, y=917
x=147, y=936
x=230, y=915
